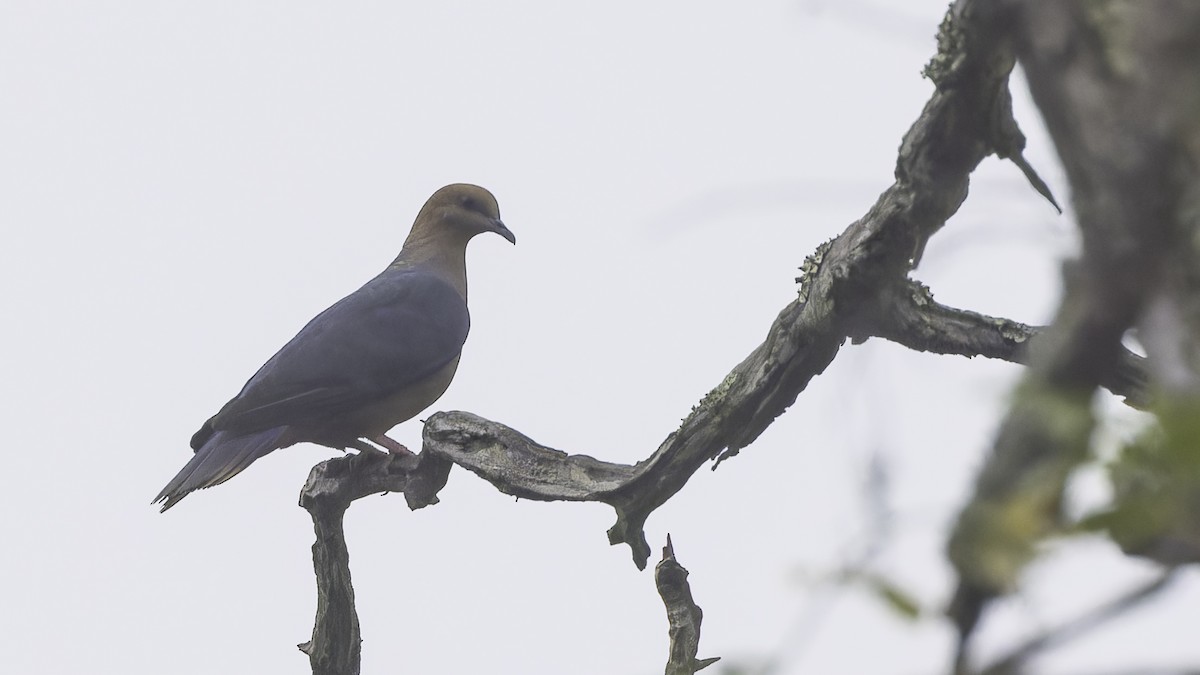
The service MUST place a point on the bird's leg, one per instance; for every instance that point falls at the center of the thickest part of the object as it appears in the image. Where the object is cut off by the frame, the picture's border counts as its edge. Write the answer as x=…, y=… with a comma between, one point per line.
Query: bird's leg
x=365, y=448
x=392, y=446
x=368, y=454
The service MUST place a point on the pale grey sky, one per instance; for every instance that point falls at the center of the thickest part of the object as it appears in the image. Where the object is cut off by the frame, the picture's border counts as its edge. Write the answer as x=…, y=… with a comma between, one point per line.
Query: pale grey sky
x=183, y=185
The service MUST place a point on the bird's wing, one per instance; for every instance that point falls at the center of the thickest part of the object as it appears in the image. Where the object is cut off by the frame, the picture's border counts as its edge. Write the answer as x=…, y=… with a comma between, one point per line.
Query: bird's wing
x=397, y=330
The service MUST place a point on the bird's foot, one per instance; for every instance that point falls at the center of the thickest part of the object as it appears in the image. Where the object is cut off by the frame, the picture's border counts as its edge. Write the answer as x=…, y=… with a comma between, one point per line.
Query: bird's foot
x=392, y=446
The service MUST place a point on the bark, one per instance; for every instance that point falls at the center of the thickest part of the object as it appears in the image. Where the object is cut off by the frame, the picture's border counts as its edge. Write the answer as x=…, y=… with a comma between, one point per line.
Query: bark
x=335, y=647
x=683, y=615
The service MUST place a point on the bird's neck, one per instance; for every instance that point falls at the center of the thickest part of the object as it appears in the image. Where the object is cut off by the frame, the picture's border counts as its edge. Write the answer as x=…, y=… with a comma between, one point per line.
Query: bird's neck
x=446, y=259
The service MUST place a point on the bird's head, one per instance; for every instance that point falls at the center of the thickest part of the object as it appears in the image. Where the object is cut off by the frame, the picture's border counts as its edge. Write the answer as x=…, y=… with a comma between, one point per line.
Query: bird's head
x=460, y=211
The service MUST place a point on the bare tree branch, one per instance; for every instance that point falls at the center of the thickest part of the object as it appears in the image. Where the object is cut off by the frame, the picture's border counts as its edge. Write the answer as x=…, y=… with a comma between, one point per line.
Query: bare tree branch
x=845, y=281
x=910, y=316
x=335, y=647
x=683, y=614
x=517, y=465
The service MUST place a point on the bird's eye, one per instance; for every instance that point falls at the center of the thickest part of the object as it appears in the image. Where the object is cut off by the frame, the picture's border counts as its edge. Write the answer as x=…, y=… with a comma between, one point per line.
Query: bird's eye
x=470, y=204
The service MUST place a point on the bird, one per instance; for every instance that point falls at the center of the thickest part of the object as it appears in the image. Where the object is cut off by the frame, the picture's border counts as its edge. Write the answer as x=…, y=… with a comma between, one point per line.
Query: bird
x=372, y=360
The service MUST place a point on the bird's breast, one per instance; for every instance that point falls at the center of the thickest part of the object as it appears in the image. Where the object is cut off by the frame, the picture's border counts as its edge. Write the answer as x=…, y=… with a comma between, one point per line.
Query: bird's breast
x=377, y=418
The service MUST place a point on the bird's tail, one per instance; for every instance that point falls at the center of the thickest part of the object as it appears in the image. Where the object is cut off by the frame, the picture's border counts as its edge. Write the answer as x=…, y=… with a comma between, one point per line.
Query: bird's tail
x=222, y=457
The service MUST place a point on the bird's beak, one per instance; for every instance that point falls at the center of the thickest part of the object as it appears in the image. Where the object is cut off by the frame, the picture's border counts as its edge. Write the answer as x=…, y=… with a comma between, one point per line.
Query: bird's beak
x=499, y=228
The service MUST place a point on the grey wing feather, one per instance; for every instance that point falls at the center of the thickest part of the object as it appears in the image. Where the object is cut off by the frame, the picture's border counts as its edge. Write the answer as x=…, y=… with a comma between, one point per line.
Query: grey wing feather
x=398, y=329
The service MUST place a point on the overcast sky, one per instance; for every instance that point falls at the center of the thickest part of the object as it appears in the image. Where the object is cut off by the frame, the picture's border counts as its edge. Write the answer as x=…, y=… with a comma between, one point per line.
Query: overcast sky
x=183, y=185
